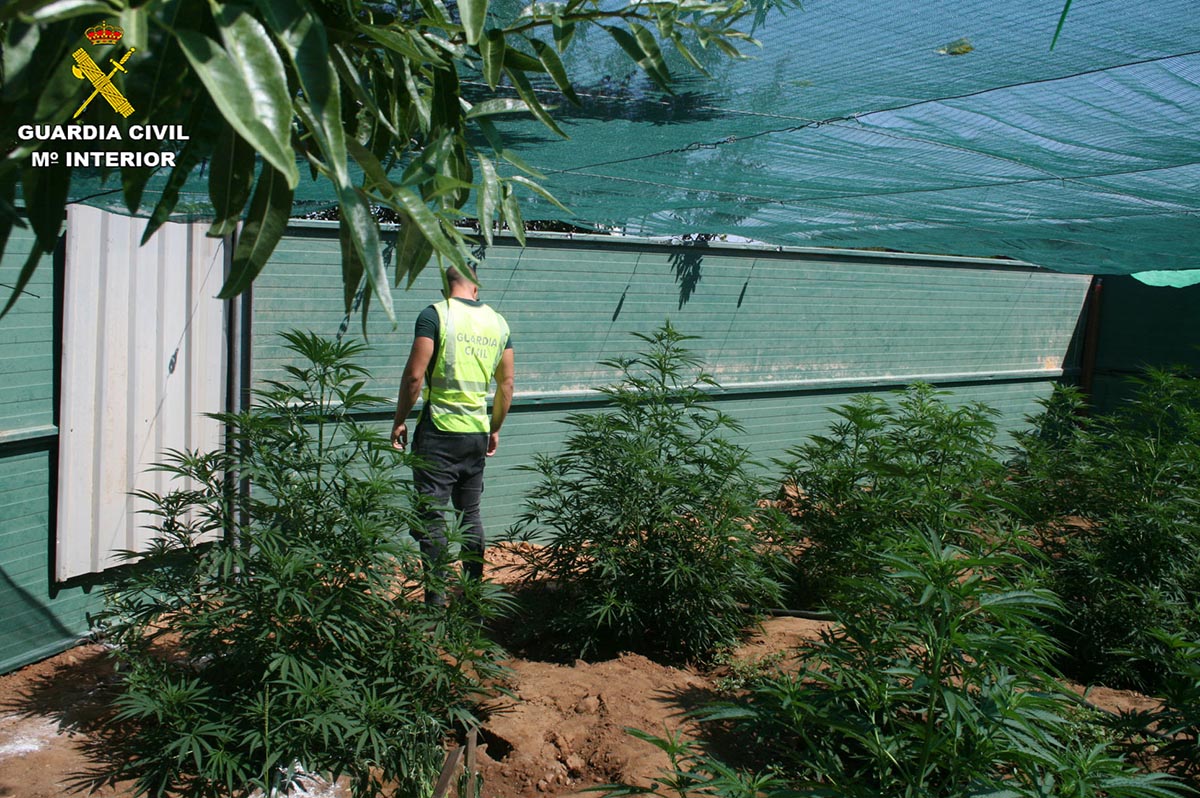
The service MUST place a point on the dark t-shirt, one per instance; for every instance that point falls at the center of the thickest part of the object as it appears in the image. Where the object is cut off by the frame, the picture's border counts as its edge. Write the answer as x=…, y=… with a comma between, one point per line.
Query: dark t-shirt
x=430, y=326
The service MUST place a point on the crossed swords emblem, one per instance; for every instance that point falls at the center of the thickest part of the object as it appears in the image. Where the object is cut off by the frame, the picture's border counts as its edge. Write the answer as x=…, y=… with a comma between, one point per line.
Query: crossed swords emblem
x=85, y=67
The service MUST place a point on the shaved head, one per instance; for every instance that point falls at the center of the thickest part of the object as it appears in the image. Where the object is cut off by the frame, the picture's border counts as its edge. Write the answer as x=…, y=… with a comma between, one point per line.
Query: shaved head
x=453, y=275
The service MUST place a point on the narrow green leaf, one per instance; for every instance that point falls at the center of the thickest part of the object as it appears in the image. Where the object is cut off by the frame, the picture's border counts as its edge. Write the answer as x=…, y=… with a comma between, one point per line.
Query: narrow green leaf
x=426, y=222
x=474, y=14
x=375, y=177
x=266, y=220
x=352, y=265
x=493, y=136
x=535, y=188
x=554, y=66
x=46, y=190
x=690, y=57
x=27, y=270
x=230, y=179
x=515, y=59
x=506, y=105
x=512, y=215
x=413, y=48
x=196, y=150
x=650, y=47
x=133, y=186
x=413, y=250
x=491, y=49
x=239, y=103
x=1061, y=20
x=633, y=48
x=303, y=38
x=353, y=80
x=488, y=196
x=430, y=162
x=43, y=12
x=422, y=103
x=446, y=112
x=525, y=91
x=564, y=32
x=364, y=232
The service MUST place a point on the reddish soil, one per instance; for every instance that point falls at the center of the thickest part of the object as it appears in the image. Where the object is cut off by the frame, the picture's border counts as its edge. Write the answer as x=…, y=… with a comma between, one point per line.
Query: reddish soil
x=564, y=732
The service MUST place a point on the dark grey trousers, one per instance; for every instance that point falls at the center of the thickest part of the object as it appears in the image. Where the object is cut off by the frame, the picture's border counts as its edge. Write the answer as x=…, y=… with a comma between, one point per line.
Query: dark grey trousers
x=451, y=475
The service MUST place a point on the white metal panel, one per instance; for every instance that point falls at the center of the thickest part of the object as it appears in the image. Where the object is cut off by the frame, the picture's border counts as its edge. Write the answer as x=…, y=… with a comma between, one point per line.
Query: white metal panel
x=143, y=361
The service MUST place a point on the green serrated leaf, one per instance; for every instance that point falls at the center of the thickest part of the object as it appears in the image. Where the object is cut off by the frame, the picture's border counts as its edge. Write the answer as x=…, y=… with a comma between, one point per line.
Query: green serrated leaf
x=44, y=13
x=690, y=57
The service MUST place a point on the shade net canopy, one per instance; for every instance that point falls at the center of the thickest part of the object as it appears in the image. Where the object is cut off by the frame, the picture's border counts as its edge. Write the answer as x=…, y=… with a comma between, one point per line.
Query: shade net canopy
x=946, y=127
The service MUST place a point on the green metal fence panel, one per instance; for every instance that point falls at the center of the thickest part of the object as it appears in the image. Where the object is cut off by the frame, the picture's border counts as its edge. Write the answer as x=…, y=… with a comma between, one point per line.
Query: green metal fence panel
x=26, y=345
x=39, y=617
x=788, y=334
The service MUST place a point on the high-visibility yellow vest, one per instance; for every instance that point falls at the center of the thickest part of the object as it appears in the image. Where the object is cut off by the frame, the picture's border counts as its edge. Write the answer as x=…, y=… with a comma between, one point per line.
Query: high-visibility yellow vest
x=471, y=342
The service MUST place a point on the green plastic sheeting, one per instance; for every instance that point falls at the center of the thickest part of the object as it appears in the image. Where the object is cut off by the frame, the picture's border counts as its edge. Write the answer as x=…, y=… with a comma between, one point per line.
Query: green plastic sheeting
x=936, y=127
x=1176, y=279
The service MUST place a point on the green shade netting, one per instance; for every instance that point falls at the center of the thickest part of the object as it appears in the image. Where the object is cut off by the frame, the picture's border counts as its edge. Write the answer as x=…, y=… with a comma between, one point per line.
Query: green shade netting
x=855, y=126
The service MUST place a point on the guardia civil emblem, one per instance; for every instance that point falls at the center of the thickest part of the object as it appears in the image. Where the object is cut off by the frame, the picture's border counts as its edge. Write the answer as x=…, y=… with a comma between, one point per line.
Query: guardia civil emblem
x=87, y=69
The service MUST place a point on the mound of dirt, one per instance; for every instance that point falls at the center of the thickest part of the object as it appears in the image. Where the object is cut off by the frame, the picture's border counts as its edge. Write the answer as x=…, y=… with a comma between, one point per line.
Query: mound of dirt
x=563, y=731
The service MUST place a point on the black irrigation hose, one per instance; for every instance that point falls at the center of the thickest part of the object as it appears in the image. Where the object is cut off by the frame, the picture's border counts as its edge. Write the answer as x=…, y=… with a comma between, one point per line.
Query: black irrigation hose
x=812, y=615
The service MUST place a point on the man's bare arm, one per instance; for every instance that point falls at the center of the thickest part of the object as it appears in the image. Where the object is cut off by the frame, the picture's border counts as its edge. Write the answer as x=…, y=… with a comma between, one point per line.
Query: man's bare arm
x=502, y=400
x=410, y=388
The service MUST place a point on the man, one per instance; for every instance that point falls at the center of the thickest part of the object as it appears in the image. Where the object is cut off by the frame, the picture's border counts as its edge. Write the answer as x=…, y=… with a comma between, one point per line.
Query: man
x=458, y=346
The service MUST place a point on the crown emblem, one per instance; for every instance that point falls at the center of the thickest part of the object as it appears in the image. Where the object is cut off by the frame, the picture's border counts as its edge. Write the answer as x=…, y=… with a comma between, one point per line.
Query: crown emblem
x=104, y=34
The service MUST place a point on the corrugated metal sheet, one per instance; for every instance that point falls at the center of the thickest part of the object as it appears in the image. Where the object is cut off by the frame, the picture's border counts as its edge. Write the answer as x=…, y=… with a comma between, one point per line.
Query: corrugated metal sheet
x=143, y=359
x=787, y=334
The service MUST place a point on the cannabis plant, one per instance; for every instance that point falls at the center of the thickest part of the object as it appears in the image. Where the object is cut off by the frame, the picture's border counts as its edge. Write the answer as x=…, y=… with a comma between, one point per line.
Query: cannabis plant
x=934, y=682
x=1170, y=733
x=273, y=632
x=1116, y=498
x=649, y=516
x=914, y=460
